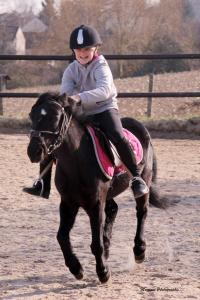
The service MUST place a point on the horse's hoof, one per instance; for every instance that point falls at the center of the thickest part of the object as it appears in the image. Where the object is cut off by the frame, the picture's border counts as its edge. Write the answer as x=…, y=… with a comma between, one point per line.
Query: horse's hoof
x=140, y=258
x=77, y=271
x=79, y=275
x=104, y=276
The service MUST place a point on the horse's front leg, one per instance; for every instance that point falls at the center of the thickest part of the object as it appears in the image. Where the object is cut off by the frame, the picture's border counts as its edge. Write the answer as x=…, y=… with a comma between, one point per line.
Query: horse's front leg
x=140, y=244
x=67, y=218
x=111, y=212
x=97, y=248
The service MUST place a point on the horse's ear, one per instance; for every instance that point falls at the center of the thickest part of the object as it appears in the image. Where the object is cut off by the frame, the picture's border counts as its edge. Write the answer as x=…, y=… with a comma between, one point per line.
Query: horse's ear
x=64, y=100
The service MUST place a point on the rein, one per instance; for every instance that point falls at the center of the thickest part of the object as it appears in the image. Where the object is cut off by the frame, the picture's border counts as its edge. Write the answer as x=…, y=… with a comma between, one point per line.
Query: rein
x=59, y=134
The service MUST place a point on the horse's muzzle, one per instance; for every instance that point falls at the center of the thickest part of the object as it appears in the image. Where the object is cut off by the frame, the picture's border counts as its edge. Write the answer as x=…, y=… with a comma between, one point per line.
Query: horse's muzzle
x=35, y=150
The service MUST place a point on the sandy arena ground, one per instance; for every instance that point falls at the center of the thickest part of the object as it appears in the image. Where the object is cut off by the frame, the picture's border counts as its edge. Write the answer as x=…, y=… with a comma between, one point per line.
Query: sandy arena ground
x=31, y=263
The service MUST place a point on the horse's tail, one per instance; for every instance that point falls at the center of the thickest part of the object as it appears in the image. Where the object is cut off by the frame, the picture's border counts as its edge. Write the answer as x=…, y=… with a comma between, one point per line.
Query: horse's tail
x=154, y=197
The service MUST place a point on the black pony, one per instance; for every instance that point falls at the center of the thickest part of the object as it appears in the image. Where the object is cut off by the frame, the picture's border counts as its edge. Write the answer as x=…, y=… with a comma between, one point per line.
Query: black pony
x=56, y=130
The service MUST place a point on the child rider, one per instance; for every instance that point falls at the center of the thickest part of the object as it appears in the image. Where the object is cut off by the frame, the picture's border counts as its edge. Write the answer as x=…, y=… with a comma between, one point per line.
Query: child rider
x=89, y=82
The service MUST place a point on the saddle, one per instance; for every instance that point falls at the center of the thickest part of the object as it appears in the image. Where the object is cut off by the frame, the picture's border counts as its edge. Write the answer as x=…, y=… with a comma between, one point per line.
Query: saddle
x=107, y=155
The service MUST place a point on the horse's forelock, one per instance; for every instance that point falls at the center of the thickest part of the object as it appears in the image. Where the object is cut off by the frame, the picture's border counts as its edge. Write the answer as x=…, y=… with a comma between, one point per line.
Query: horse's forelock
x=50, y=96
x=46, y=97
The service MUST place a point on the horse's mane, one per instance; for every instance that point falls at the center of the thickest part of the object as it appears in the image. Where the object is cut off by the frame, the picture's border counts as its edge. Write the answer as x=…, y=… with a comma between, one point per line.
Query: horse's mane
x=45, y=97
x=49, y=97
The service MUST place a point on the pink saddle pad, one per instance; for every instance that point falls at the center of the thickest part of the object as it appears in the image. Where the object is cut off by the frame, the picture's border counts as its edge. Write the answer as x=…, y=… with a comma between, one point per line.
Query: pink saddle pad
x=105, y=164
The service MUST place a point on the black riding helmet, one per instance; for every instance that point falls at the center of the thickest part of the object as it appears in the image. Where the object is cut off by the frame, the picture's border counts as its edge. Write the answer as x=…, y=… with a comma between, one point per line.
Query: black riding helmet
x=84, y=36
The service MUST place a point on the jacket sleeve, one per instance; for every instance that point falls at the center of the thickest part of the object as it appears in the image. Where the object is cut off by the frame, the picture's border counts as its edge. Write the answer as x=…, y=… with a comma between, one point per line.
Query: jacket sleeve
x=67, y=83
x=104, y=90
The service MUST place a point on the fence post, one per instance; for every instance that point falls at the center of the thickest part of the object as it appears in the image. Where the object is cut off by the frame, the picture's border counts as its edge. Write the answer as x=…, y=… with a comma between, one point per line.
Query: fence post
x=3, y=86
x=149, y=99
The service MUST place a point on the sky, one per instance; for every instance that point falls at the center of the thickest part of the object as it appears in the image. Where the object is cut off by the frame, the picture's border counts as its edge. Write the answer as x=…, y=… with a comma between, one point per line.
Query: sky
x=20, y=5
x=34, y=5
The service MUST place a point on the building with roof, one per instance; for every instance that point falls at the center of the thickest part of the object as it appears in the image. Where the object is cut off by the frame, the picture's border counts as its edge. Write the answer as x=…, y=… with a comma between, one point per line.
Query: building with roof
x=12, y=40
x=18, y=36
x=34, y=32
x=34, y=25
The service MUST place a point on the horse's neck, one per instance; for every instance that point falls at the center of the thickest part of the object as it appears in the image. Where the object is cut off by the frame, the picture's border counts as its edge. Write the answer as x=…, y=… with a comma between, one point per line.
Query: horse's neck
x=74, y=135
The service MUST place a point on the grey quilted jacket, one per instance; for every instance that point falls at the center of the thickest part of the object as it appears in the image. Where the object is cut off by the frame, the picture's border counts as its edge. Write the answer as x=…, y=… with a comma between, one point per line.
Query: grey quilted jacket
x=94, y=83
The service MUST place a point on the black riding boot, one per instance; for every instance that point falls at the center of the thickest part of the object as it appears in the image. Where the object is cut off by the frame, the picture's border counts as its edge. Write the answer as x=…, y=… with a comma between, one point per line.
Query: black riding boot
x=127, y=156
x=42, y=187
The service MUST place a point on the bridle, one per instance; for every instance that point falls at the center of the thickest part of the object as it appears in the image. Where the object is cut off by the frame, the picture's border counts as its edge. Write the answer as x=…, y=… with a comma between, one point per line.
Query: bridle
x=59, y=134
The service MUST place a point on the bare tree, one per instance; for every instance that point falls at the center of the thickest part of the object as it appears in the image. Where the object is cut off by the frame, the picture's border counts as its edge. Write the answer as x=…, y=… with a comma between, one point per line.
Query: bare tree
x=48, y=12
x=124, y=21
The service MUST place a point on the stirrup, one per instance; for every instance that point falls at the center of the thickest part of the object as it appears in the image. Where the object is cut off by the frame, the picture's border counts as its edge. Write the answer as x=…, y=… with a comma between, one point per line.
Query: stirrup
x=41, y=181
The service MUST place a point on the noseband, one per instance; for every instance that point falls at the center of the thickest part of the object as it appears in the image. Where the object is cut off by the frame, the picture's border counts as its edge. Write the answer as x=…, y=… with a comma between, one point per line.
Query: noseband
x=59, y=134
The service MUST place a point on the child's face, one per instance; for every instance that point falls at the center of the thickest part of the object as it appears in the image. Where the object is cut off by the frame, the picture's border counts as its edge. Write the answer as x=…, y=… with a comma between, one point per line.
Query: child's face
x=85, y=55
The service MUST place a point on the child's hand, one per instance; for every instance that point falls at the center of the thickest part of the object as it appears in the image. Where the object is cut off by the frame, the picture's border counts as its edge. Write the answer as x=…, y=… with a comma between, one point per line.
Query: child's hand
x=74, y=100
x=75, y=105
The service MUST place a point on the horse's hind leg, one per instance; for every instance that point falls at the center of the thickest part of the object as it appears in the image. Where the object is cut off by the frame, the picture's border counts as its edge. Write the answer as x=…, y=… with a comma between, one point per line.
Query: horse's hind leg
x=111, y=212
x=140, y=245
x=67, y=218
x=96, y=221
